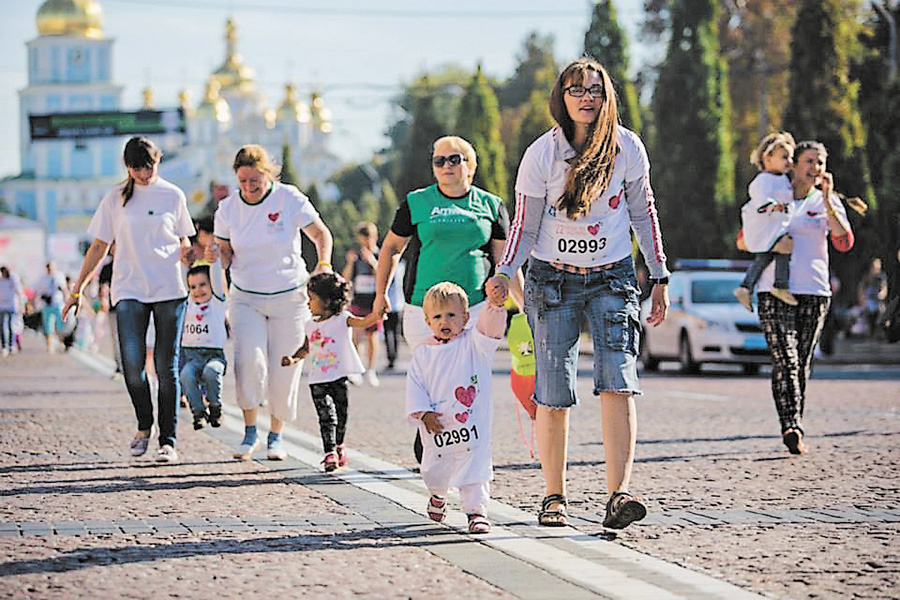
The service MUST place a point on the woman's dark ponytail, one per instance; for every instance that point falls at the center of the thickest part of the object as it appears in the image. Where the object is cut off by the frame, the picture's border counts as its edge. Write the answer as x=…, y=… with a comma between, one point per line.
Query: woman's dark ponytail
x=139, y=153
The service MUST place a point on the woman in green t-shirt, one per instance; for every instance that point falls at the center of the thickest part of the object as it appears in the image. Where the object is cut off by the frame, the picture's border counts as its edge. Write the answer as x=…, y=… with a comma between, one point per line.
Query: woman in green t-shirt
x=456, y=232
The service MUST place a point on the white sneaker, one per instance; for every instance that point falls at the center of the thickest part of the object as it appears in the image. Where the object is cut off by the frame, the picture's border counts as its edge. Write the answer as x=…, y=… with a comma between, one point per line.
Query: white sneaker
x=372, y=378
x=5, y=352
x=245, y=451
x=355, y=379
x=166, y=454
x=274, y=451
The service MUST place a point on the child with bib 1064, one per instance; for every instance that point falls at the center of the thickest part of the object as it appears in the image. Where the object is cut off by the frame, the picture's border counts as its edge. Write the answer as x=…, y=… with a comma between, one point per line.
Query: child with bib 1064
x=448, y=393
x=334, y=358
x=766, y=215
x=202, y=348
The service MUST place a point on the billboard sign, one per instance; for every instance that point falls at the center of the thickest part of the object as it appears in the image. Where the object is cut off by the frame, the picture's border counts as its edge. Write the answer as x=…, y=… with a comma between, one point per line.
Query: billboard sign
x=106, y=124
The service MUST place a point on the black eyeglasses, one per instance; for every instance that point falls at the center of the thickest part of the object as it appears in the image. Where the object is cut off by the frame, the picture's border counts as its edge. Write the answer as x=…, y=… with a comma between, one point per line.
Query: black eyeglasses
x=453, y=159
x=577, y=91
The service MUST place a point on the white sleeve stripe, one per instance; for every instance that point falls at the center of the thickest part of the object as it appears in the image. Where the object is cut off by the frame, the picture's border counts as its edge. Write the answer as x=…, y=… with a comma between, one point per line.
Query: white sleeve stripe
x=515, y=231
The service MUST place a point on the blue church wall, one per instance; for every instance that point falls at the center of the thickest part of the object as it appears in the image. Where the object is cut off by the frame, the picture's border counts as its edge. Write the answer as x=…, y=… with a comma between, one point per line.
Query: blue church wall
x=81, y=162
x=24, y=202
x=54, y=160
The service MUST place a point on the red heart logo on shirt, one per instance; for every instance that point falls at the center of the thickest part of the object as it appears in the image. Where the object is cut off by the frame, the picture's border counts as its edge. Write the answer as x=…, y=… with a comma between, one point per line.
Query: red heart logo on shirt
x=465, y=396
x=593, y=229
x=199, y=317
x=462, y=417
x=614, y=201
x=274, y=216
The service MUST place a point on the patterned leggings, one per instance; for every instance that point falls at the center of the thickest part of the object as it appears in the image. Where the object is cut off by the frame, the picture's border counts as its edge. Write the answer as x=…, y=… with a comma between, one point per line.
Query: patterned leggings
x=331, y=402
x=791, y=333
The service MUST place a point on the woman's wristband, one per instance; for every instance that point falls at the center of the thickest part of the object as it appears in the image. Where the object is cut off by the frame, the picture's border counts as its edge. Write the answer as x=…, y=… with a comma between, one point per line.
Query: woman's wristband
x=76, y=294
x=324, y=263
x=504, y=276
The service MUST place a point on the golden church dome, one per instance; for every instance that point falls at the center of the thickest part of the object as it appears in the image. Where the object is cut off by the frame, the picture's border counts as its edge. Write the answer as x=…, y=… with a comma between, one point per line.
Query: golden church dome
x=213, y=105
x=233, y=74
x=82, y=18
x=292, y=108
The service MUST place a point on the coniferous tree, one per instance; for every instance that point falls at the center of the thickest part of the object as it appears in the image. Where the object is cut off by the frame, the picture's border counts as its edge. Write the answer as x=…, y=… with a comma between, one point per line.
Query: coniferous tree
x=823, y=100
x=288, y=172
x=426, y=127
x=606, y=42
x=536, y=120
x=692, y=157
x=535, y=73
x=478, y=122
x=823, y=106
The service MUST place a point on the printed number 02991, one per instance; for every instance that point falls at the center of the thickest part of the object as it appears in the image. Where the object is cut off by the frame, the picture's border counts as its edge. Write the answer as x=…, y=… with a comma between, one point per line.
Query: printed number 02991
x=455, y=436
x=581, y=246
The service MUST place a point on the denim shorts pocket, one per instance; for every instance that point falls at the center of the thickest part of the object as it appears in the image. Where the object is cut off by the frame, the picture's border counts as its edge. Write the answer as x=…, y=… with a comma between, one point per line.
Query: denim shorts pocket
x=622, y=279
x=543, y=286
x=622, y=332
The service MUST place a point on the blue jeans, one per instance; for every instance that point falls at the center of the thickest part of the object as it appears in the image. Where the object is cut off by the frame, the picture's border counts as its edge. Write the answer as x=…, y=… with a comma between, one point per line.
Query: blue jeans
x=557, y=302
x=133, y=318
x=202, y=369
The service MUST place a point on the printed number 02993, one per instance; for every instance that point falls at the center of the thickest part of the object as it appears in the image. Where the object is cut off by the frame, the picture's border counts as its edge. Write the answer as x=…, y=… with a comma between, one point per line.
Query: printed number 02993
x=581, y=246
x=455, y=436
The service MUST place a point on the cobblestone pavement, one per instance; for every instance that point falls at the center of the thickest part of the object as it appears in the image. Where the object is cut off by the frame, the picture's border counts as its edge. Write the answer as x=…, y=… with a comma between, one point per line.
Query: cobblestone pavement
x=725, y=499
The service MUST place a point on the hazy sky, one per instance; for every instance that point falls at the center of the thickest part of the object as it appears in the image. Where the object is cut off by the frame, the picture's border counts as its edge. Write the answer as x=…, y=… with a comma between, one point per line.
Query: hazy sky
x=357, y=53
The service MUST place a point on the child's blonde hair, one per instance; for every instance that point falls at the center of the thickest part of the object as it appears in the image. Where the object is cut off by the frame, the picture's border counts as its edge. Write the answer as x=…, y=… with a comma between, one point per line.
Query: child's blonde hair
x=771, y=143
x=441, y=293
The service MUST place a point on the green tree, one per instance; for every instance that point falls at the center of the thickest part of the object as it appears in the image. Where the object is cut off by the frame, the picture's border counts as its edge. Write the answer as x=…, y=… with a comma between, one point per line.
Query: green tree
x=535, y=70
x=288, y=172
x=307, y=248
x=606, y=42
x=536, y=120
x=755, y=39
x=823, y=100
x=879, y=104
x=414, y=168
x=692, y=151
x=534, y=74
x=823, y=106
x=478, y=121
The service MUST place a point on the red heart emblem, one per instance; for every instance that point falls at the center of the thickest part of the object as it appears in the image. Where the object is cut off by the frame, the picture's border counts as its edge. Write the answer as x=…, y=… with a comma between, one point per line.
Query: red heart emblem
x=465, y=396
x=614, y=201
x=274, y=216
x=593, y=229
x=462, y=417
x=811, y=213
x=199, y=317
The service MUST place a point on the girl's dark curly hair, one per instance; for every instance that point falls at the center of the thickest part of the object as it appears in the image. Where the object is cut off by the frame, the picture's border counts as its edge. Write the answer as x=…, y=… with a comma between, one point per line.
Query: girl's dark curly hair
x=333, y=289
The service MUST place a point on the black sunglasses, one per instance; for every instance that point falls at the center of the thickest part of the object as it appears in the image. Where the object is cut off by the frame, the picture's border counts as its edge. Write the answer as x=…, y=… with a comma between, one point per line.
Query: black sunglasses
x=453, y=159
x=577, y=91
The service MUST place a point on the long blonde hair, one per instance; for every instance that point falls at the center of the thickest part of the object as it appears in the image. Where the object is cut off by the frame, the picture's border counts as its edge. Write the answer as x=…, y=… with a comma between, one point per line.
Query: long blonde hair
x=592, y=170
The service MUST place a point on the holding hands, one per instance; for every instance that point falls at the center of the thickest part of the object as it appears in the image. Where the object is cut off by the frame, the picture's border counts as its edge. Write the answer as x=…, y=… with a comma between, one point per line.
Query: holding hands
x=497, y=289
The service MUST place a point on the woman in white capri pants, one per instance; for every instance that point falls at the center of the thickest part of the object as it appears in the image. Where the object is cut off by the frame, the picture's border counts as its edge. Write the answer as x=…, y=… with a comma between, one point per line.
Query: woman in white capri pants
x=258, y=230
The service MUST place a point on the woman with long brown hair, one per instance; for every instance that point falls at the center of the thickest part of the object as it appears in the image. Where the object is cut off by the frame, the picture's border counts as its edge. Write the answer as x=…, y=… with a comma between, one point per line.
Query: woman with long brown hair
x=581, y=188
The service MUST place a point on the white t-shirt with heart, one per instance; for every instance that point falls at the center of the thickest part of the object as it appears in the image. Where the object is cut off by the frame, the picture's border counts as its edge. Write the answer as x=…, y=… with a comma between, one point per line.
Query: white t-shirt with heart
x=147, y=232
x=266, y=239
x=204, y=325
x=455, y=379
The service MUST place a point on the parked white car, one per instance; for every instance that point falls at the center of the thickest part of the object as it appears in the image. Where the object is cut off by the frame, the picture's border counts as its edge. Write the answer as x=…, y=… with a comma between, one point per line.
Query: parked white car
x=705, y=324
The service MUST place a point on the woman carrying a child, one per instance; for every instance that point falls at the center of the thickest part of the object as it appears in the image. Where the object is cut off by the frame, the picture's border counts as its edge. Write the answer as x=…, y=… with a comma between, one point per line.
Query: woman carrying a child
x=581, y=189
x=816, y=215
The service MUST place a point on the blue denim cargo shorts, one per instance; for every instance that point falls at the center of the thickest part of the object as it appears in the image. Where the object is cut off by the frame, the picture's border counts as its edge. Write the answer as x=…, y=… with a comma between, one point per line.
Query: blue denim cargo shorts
x=557, y=302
